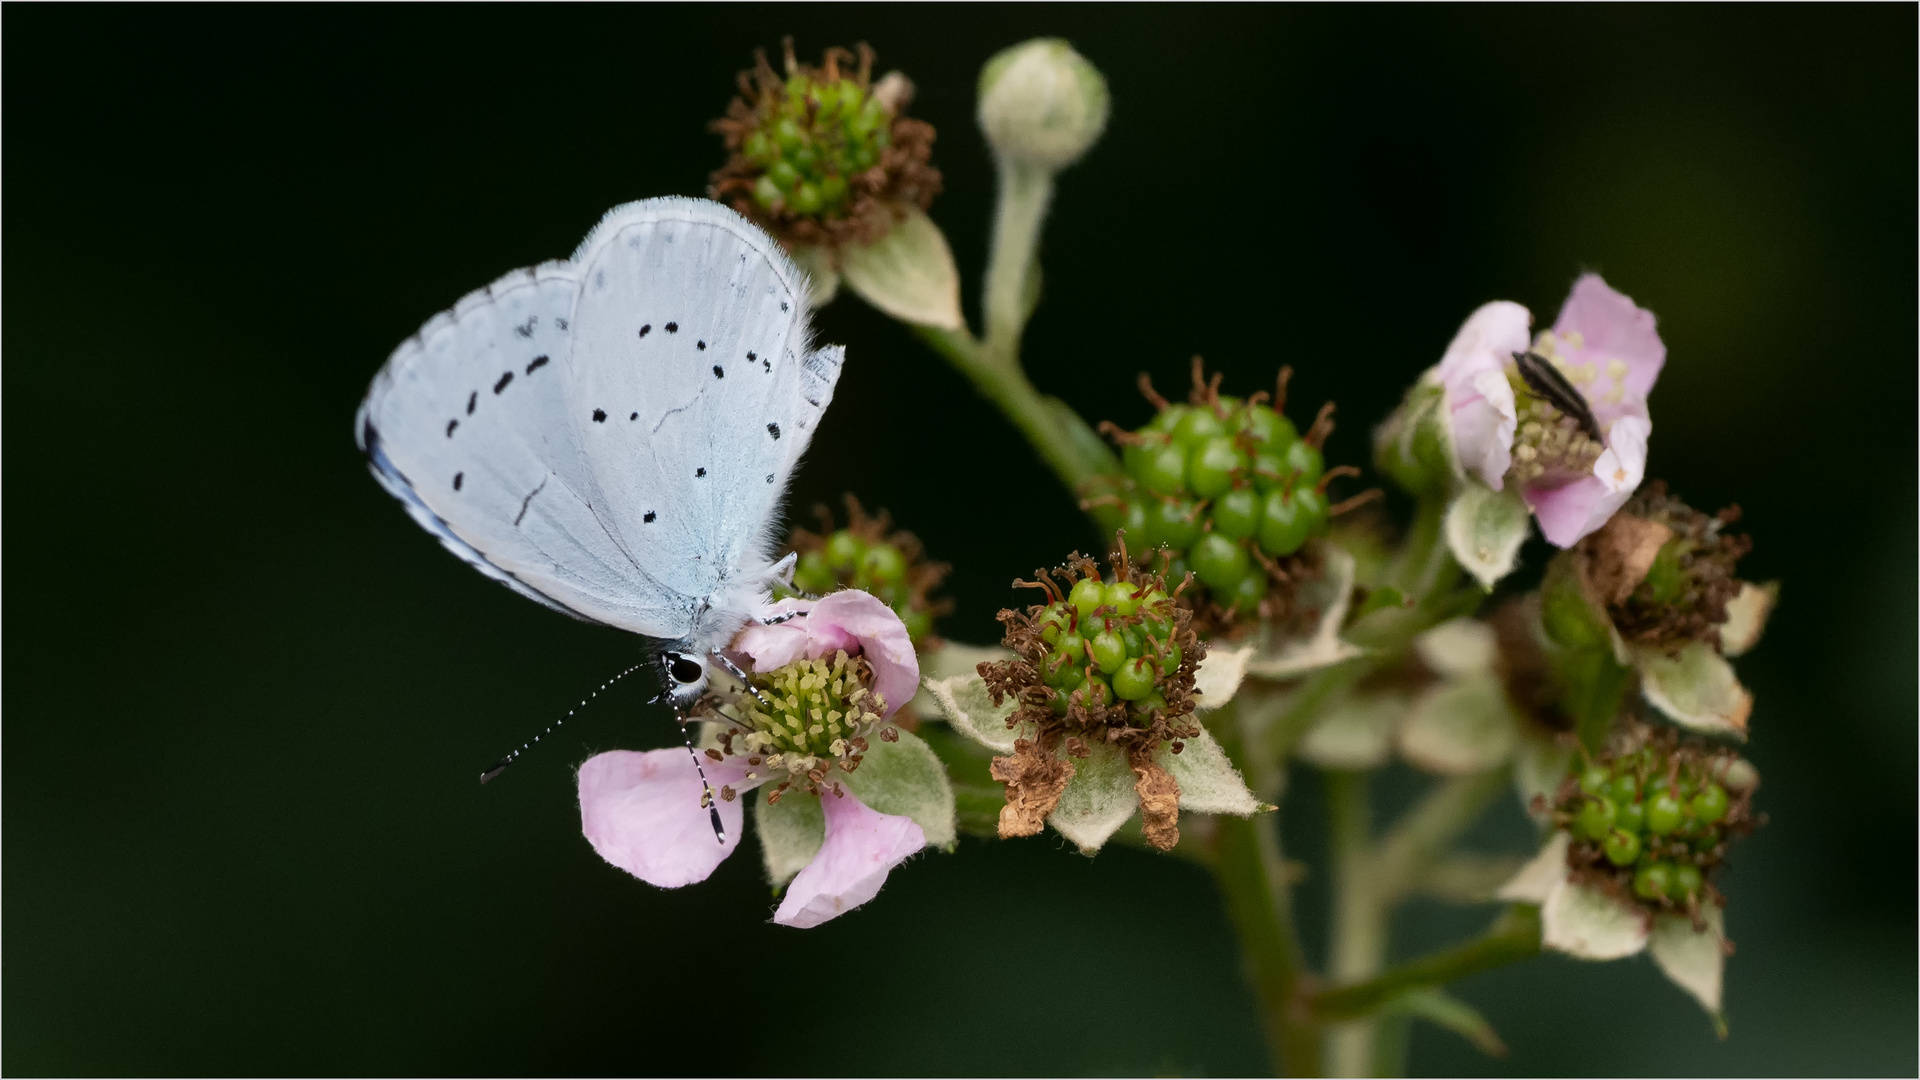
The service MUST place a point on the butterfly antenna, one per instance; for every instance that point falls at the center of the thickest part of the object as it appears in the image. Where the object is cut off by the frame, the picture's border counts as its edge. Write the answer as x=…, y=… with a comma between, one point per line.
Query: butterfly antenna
x=500, y=766
x=707, y=799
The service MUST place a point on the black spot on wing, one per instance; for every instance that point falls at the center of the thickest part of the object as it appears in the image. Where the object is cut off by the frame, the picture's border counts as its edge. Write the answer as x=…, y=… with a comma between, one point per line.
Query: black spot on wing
x=505, y=378
x=458, y=479
x=783, y=305
x=599, y=416
x=633, y=416
x=769, y=478
x=560, y=323
x=673, y=328
x=647, y=329
x=536, y=364
x=701, y=345
x=773, y=430
x=525, y=329
x=718, y=372
x=701, y=471
x=472, y=400
x=648, y=517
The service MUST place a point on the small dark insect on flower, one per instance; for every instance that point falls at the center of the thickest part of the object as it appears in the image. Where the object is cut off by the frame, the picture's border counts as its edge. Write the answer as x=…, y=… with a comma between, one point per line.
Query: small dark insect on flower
x=1545, y=379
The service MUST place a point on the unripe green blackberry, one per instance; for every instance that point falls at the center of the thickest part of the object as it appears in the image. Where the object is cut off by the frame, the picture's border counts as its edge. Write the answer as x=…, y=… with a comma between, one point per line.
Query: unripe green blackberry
x=824, y=155
x=1651, y=820
x=1107, y=657
x=870, y=556
x=1226, y=487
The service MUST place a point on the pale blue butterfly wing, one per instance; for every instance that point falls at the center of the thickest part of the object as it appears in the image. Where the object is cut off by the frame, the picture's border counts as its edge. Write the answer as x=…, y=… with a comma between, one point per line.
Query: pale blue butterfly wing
x=554, y=433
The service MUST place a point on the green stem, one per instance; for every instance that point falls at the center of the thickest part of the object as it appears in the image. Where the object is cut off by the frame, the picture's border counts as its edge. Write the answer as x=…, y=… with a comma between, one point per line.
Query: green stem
x=1409, y=849
x=1515, y=936
x=1026, y=190
x=1069, y=447
x=1359, y=946
x=1254, y=881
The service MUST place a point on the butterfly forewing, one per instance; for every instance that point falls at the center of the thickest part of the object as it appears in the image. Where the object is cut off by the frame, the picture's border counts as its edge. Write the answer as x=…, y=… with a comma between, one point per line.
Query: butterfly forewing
x=611, y=435
x=688, y=372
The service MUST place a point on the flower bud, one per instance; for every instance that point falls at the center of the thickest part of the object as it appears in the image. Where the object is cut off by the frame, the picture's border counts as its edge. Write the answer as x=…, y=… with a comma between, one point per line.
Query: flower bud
x=1042, y=104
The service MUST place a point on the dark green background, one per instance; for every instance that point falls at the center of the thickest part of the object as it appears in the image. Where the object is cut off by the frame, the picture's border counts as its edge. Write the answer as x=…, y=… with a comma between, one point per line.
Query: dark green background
x=246, y=698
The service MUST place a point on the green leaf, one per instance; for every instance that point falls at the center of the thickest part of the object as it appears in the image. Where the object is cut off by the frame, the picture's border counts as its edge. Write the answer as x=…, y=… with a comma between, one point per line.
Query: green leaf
x=791, y=832
x=1219, y=675
x=1485, y=528
x=950, y=659
x=1458, y=647
x=1696, y=690
x=1460, y=726
x=1539, y=764
x=1279, y=657
x=1747, y=616
x=906, y=778
x=1436, y=1006
x=1209, y=784
x=1355, y=732
x=971, y=711
x=1588, y=924
x=908, y=273
x=1534, y=882
x=1694, y=959
x=1099, y=799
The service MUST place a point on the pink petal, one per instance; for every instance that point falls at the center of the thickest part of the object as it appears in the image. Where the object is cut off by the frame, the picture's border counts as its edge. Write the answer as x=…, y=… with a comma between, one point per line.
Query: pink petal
x=861, y=846
x=778, y=645
x=642, y=813
x=1568, y=513
x=1480, y=405
x=1611, y=329
x=850, y=620
x=881, y=636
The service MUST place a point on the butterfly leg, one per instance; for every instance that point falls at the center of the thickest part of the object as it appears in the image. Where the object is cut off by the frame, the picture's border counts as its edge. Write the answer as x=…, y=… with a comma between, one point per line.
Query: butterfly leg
x=733, y=669
x=776, y=620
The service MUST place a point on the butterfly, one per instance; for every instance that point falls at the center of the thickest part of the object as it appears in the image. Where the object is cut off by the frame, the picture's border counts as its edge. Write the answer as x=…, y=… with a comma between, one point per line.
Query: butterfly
x=612, y=436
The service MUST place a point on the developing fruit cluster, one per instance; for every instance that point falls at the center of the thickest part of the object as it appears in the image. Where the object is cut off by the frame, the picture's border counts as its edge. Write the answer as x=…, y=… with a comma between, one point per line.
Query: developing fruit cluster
x=818, y=156
x=869, y=556
x=1227, y=487
x=1684, y=597
x=1106, y=660
x=1653, y=823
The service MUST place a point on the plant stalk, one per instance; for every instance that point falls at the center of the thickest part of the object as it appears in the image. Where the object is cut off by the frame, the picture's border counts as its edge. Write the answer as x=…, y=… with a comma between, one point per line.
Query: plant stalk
x=1514, y=936
x=1359, y=946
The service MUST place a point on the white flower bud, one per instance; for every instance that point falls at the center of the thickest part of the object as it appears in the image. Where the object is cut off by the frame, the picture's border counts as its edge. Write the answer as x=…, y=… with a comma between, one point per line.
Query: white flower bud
x=1042, y=103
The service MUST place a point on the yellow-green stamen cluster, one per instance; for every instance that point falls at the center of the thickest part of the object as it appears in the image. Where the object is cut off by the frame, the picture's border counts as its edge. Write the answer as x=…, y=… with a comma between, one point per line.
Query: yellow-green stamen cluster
x=1547, y=443
x=814, y=709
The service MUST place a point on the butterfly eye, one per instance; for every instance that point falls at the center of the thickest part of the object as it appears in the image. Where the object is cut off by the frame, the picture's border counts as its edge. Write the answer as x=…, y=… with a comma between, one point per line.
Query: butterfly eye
x=685, y=669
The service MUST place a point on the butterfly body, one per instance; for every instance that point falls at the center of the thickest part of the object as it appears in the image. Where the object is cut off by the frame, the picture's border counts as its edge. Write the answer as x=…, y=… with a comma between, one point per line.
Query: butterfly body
x=612, y=435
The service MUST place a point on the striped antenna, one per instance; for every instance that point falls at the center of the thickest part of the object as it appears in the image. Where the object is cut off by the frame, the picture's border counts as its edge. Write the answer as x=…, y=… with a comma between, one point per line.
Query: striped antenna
x=706, y=790
x=500, y=766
